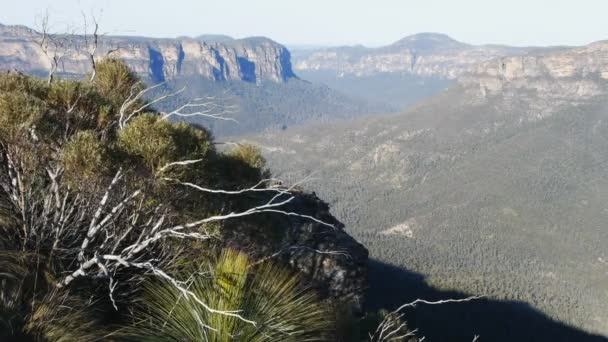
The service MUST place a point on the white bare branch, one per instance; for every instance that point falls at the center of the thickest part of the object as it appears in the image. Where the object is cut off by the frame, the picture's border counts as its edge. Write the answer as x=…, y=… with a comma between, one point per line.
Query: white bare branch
x=204, y=107
x=126, y=112
x=393, y=327
x=178, y=163
x=91, y=43
x=445, y=301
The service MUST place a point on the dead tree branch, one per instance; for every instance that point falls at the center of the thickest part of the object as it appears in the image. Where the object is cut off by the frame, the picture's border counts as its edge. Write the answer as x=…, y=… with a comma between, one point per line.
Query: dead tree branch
x=393, y=327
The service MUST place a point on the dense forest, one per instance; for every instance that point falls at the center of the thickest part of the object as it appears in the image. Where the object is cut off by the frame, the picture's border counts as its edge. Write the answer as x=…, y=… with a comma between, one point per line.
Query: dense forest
x=467, y=194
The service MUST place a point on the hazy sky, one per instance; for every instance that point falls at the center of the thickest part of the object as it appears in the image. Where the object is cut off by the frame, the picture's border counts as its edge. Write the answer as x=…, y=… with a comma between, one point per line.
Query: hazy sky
x=331, y=22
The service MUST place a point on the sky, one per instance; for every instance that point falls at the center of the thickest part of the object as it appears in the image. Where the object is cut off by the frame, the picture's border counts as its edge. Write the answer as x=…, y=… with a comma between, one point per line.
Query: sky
x=332, y=22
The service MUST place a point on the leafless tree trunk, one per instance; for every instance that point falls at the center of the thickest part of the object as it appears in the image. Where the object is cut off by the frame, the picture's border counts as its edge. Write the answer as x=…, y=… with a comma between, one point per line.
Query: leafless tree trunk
x=55, y=47
x=91, y=43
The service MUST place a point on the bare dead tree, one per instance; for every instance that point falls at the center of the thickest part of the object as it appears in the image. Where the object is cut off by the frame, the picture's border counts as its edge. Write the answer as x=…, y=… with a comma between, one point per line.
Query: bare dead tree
x=85, y=41
x=55, y=47
x=121, y=234
x=393, y=327
x=91, y=43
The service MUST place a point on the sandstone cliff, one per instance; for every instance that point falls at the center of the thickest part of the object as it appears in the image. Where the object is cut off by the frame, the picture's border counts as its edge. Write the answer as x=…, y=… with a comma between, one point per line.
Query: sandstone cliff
x=252, y=59
x=575, y=73
x=541, y=83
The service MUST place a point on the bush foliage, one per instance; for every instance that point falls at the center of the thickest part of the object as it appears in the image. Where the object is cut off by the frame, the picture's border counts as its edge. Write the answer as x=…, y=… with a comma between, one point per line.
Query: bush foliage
x=73, y=136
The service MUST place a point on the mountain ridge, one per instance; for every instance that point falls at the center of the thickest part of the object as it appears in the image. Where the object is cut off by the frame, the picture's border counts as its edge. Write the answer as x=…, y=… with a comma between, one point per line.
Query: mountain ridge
x=424, y=54
x=423, y=65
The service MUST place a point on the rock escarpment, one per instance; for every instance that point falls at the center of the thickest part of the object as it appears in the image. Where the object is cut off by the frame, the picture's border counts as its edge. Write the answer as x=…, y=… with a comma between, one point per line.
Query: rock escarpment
x=578, y=73
x=541, y=83
x=251, y=59
x=327, y=256
x=320, y=250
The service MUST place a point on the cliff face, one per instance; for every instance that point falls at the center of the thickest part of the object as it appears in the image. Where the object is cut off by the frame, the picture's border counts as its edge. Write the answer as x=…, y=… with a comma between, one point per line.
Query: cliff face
x=545, y=81
x=252, y=59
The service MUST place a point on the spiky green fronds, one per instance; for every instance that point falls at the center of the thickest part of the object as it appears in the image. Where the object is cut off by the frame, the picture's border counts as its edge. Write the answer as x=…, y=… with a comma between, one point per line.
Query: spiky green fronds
x=33, y=309
x=268, y=295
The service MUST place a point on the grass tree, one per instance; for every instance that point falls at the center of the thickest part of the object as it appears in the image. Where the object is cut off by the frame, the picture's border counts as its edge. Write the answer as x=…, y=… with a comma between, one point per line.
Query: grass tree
x=279, y=308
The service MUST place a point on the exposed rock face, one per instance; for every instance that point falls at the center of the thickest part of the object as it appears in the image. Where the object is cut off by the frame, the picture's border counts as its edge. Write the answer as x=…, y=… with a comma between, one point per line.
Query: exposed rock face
x=251, y=59
x=425, y=54
x=548, y=80
x=326, y=256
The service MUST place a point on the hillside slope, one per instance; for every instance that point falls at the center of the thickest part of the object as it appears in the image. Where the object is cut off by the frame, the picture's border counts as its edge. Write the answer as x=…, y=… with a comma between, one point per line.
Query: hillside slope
x=497, y=186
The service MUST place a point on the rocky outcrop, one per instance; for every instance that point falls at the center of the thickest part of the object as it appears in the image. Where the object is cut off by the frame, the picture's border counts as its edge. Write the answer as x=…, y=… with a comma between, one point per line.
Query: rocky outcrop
x=252, y=59
x=565, y=76
x=328, y=256
x=325, y=256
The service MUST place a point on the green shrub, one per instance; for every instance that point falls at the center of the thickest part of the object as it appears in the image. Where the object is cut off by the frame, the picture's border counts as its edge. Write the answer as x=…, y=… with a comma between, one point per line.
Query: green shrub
x=84, y=158
x=250, y=155
x=64, y=142
x=158, y=142
x=19, y=111
x=149, y=138
x=115, y=81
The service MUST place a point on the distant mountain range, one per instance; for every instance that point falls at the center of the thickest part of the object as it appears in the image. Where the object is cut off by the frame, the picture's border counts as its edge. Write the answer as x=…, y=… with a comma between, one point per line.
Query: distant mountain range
x=256, y=73
x=425, y=64
x=423, y=54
